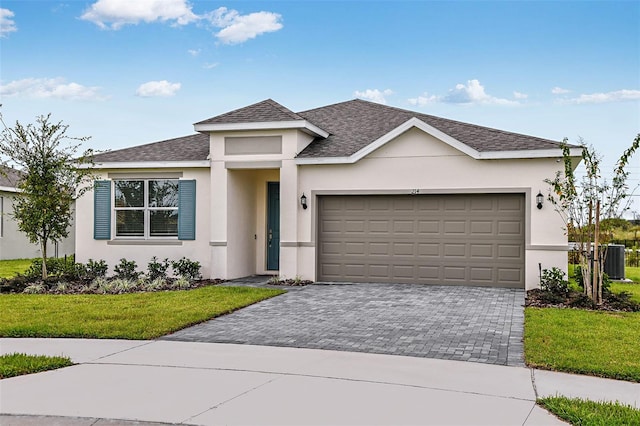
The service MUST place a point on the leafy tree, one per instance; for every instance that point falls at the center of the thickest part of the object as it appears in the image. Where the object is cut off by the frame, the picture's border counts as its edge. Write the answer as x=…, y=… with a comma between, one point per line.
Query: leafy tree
x=52, y=178
x=585, y=207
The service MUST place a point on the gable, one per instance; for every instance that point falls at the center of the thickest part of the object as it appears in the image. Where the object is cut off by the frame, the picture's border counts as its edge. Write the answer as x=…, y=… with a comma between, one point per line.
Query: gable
x=415, y=143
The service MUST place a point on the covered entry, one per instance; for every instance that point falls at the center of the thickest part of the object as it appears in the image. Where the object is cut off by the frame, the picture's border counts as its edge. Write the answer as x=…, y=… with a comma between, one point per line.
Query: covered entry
x=460, y=239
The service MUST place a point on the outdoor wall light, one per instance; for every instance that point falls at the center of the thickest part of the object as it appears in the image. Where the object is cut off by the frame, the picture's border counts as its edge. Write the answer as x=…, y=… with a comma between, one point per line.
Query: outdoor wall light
x=303, y=201
x=539, y=200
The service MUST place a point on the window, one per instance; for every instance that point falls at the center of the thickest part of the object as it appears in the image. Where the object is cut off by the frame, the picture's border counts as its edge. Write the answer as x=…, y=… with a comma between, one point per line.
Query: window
x=146, y=208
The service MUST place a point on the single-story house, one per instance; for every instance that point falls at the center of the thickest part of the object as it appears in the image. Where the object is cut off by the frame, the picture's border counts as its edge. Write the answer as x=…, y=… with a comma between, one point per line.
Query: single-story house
x=14, y=244
x=354, y=192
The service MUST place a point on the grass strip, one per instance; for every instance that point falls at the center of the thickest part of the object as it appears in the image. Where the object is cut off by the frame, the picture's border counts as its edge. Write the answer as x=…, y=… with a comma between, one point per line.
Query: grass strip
x=18, y=364
x=125, y=316
x=589, y=413
x=596, y=343
x=11, y=267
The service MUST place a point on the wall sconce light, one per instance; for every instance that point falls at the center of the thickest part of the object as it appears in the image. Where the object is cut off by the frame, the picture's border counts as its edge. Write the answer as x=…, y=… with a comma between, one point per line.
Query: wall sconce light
x=539, y=200
x=303, y=201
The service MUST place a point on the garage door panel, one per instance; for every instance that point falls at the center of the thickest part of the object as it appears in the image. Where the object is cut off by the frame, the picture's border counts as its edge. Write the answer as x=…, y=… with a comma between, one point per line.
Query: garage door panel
x=403, y=227
x=431, y=239
x=510, y=227
x=455, y=227
x=379, y=226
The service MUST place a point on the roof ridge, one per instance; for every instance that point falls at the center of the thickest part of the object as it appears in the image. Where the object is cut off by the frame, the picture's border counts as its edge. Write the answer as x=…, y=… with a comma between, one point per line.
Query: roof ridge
x=267, y=110
x=419, y=115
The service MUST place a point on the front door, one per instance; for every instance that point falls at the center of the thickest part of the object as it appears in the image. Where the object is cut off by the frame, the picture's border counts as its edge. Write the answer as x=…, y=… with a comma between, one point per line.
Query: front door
x=273, y=226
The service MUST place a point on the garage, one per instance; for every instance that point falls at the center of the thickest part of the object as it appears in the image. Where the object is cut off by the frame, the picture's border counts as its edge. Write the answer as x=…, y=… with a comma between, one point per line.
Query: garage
x=453, y=239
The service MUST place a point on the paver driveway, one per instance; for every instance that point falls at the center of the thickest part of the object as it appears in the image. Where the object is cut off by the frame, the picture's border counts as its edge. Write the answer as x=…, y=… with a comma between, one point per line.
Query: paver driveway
x=459, y=323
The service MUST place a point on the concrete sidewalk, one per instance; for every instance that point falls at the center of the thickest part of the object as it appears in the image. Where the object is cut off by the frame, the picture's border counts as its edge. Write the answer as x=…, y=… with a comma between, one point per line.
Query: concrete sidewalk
x=126, y=382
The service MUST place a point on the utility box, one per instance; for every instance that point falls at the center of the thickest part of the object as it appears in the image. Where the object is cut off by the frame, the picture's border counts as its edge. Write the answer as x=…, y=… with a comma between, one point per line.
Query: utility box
x=614, y=263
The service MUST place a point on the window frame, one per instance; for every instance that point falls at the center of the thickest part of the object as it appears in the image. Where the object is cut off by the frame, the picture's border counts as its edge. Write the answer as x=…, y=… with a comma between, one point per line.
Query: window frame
x=145, y=208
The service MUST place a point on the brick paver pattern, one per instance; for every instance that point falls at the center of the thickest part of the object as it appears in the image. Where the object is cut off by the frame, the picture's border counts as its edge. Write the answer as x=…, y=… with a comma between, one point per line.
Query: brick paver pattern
x=447, y=322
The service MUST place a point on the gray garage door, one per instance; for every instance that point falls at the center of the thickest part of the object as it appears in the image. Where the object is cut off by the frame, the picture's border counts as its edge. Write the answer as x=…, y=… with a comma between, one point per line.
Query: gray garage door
x=430, y=239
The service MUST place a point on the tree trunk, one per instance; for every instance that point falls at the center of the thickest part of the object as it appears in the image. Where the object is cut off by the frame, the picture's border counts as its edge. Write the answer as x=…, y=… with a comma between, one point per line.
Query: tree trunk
x=596, y=296
x=43, y=249
x=588, y=277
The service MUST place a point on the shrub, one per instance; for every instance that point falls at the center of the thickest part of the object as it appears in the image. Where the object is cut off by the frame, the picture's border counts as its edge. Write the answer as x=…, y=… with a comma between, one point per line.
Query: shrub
x=156, y=284
x=126, y=270
x=122, y=285
x=157, y=269
x=606, y=282
x=96, y=269
x=188, y=269
x=56, y=267
x=37, y=288
x=100, y=285
x=181, y=283
x=553, y=281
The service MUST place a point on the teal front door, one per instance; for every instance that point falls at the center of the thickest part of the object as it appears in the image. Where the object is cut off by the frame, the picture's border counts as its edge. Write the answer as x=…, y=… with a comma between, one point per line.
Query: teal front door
x=273, y=226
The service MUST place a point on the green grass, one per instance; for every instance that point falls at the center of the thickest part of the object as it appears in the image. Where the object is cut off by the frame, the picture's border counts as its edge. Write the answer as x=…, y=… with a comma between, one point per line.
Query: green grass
x=10, y=268
x=632, y=273
x=586, y=342
x=125, y=316
x=589, y=413
x=17, y=364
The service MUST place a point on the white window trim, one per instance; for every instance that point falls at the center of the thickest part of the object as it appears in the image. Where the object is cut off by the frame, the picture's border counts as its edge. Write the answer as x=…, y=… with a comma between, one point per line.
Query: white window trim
x=146, y=209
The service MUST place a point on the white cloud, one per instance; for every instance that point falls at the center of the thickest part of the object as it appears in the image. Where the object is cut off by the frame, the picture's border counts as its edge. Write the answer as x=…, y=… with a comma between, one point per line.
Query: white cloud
x=210, y=66
x=234, y=27
x=7, y=25
x=238, y=28
x=473, y=93
x=559, y=91
x=117, y=13
x=374, y=95
x=55, y=88
x=424, y=100
x=157, y=88
x=194, y=52
x=600, y=98
x=519, y=95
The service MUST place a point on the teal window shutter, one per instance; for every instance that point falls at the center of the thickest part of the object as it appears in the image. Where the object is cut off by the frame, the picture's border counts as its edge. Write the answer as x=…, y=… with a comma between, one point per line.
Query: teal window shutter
x=187, y=210
x=102, y=210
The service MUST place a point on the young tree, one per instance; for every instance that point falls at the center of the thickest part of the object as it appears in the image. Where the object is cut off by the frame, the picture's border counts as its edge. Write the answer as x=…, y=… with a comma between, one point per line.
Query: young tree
x=584, y=205
x=53, y=177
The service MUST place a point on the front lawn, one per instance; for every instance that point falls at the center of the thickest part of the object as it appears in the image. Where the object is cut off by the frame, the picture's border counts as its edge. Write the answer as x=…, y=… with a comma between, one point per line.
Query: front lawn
x=17, y=364
x=586, y=342
x=124, y=316
x=589, y=413
x=10, y=268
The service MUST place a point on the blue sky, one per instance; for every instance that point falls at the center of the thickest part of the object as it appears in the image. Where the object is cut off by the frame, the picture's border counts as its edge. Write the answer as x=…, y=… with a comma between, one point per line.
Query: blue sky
x=131, y=72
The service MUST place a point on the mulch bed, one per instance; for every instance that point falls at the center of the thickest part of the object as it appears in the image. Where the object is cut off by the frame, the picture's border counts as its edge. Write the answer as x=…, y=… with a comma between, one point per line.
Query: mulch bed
x=612, y=302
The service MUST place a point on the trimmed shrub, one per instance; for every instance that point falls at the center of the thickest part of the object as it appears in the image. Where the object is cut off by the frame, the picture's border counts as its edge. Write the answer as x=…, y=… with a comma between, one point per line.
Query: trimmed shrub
x=188, y=269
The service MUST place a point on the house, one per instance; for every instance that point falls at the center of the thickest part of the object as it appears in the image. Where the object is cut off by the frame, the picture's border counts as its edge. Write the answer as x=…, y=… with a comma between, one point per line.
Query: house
x=355, y=192
x=14, y=244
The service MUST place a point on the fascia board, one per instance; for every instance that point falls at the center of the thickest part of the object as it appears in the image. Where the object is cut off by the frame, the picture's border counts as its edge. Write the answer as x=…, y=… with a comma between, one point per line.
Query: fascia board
x=267, y=125
x=8, y=189
x=148, y=165
x=533, y=153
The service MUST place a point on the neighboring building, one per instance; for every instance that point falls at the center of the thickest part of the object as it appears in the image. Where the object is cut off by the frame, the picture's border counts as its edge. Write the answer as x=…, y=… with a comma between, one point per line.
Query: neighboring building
x=354, y=191
x=14, y=244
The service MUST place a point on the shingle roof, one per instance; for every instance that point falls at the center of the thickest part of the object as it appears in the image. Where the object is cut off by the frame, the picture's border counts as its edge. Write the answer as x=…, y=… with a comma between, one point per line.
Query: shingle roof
x=187, y=148
x=9, y=177
x=355, y=124
x=265, y=111
x=352, y=125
